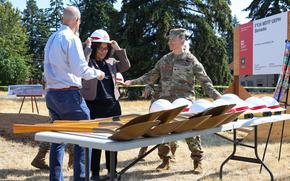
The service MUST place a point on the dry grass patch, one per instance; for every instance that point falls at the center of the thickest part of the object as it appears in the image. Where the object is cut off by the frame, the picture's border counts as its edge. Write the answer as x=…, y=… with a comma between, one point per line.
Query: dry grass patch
x=17, y=152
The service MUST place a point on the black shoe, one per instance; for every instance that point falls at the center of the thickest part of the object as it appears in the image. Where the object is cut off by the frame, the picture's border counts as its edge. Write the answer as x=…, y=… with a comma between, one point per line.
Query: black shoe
x=104, y=177
x=95, y=177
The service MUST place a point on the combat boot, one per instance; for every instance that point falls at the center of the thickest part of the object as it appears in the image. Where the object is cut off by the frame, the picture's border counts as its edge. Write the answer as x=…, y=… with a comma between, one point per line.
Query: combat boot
x=70, y=161
x=70, y=151
x=142, y=151
x=164, y=165
x=197, y=166
x=173, y=150
x=39, y=160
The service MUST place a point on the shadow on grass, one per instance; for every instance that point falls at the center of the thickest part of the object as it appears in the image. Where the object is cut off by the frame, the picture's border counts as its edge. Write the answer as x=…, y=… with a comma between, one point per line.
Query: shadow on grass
x=4, y=173
x=155, y=175
x=8, y=119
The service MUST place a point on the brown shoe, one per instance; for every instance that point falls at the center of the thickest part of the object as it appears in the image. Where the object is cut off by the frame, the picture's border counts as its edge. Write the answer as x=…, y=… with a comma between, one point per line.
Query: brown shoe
x=70, y=161
x=197, y=167
x=39, y=163
x=164, y=165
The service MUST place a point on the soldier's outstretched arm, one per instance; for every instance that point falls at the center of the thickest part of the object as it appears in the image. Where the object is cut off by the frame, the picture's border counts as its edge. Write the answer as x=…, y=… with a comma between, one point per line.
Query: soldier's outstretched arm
x=150, y=77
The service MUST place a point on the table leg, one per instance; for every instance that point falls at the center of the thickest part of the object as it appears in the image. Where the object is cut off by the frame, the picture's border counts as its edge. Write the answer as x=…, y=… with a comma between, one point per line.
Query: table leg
x=266, y=146
x=32, y=107
x=256, y=160
x=231, y=156
x=21, y=104
x=112, y=166
x=257, y=154
x=119, y=174
x=87, y=164
x=36, y=105
x=281, y=140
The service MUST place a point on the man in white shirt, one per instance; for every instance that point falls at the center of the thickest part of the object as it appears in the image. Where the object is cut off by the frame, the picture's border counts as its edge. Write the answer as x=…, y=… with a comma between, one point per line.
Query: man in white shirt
x=64, y=67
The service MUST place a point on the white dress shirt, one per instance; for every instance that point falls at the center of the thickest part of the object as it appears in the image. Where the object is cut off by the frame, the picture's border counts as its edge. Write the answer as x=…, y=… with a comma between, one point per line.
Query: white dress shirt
x=64, y=61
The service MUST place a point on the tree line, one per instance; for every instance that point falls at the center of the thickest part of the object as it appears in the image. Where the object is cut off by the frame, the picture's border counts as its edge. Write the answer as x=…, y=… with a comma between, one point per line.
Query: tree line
x=140, y=26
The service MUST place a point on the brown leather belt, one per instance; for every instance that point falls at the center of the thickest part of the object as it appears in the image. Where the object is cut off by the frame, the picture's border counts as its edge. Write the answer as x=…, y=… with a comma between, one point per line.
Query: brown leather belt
x=66, y=89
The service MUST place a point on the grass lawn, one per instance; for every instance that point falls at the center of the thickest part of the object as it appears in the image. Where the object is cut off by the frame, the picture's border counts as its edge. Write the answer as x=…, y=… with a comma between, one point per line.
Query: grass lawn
x=17, y=151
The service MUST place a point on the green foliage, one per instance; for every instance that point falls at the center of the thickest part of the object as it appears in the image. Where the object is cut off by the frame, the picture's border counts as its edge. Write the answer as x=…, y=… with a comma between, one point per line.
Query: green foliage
x=95, y=14
x=4, y=88
x=13, y=59
x=264, y=8
x=38, y=30
x=54, y=13
x=13, y=69
x=145, y=24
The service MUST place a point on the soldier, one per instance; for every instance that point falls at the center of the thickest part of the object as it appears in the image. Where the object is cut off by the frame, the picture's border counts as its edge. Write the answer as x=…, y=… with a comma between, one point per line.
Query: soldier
x=39, y=159
x=154, y=92
x=176, y=72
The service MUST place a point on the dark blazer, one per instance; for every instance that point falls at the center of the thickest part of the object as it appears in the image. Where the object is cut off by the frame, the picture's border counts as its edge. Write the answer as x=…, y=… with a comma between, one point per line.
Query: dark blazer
x=120, y=64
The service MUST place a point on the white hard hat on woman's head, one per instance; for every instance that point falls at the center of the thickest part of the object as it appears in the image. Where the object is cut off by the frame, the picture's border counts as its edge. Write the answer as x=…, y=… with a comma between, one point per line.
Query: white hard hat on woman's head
x=182, y=102
x=101, y=36
x=160, y=105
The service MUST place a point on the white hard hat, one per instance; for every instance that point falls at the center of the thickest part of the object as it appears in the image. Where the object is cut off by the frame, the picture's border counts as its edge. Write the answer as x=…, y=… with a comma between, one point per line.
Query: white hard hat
x=100, y=36
x=221, y=102
x=272, y=103
x=200, y=106
x=258, y=107
x=255, y=103
x=234, y=99
x=182, y=102
x=230, y=97
x=160, y=105
x=119, y=78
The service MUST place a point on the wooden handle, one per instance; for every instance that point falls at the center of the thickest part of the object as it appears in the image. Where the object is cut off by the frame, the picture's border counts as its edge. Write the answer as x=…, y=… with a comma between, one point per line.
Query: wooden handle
x=21, y=128
x=82, y=127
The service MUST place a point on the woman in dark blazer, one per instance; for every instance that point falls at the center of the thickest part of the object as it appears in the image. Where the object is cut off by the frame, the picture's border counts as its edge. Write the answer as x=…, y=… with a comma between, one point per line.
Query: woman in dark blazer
x=102, y=96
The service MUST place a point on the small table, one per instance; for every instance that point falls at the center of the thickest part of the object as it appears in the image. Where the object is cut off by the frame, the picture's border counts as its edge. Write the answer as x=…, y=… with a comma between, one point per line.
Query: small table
x=33, y=99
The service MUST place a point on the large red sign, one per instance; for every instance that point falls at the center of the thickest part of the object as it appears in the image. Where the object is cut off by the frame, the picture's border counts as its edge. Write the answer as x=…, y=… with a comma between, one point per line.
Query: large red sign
x=246, y=49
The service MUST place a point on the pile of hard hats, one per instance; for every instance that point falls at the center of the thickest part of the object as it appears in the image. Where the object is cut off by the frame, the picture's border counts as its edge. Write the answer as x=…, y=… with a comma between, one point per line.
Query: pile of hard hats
x=162, y=104
x=192, y=107
x=251, y=107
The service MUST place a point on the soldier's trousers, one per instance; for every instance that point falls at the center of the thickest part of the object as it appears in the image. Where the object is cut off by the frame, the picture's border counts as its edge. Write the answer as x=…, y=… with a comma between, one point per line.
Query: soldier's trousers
x=193, y=143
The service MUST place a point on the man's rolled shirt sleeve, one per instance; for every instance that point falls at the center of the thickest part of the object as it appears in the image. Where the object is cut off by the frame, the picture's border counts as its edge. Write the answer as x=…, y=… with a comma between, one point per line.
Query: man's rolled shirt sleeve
x=79, y=65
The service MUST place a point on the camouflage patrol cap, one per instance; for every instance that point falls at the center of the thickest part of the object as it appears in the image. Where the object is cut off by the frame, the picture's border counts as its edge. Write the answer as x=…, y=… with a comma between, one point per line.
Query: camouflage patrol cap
x=177, y=32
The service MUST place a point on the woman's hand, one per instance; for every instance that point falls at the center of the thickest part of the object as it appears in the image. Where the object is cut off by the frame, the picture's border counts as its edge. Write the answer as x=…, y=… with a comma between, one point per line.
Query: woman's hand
x=88, y=42
x=115, y=45
x=128, y=82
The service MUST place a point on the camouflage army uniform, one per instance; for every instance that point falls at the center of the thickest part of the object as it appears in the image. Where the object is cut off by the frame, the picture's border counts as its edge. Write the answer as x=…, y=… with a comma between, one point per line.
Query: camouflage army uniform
x=155, y=95
x=177, y=75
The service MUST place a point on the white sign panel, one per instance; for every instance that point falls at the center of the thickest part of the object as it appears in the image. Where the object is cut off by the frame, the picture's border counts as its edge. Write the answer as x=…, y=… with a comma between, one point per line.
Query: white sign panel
x=22, y=90
x=269, y=35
